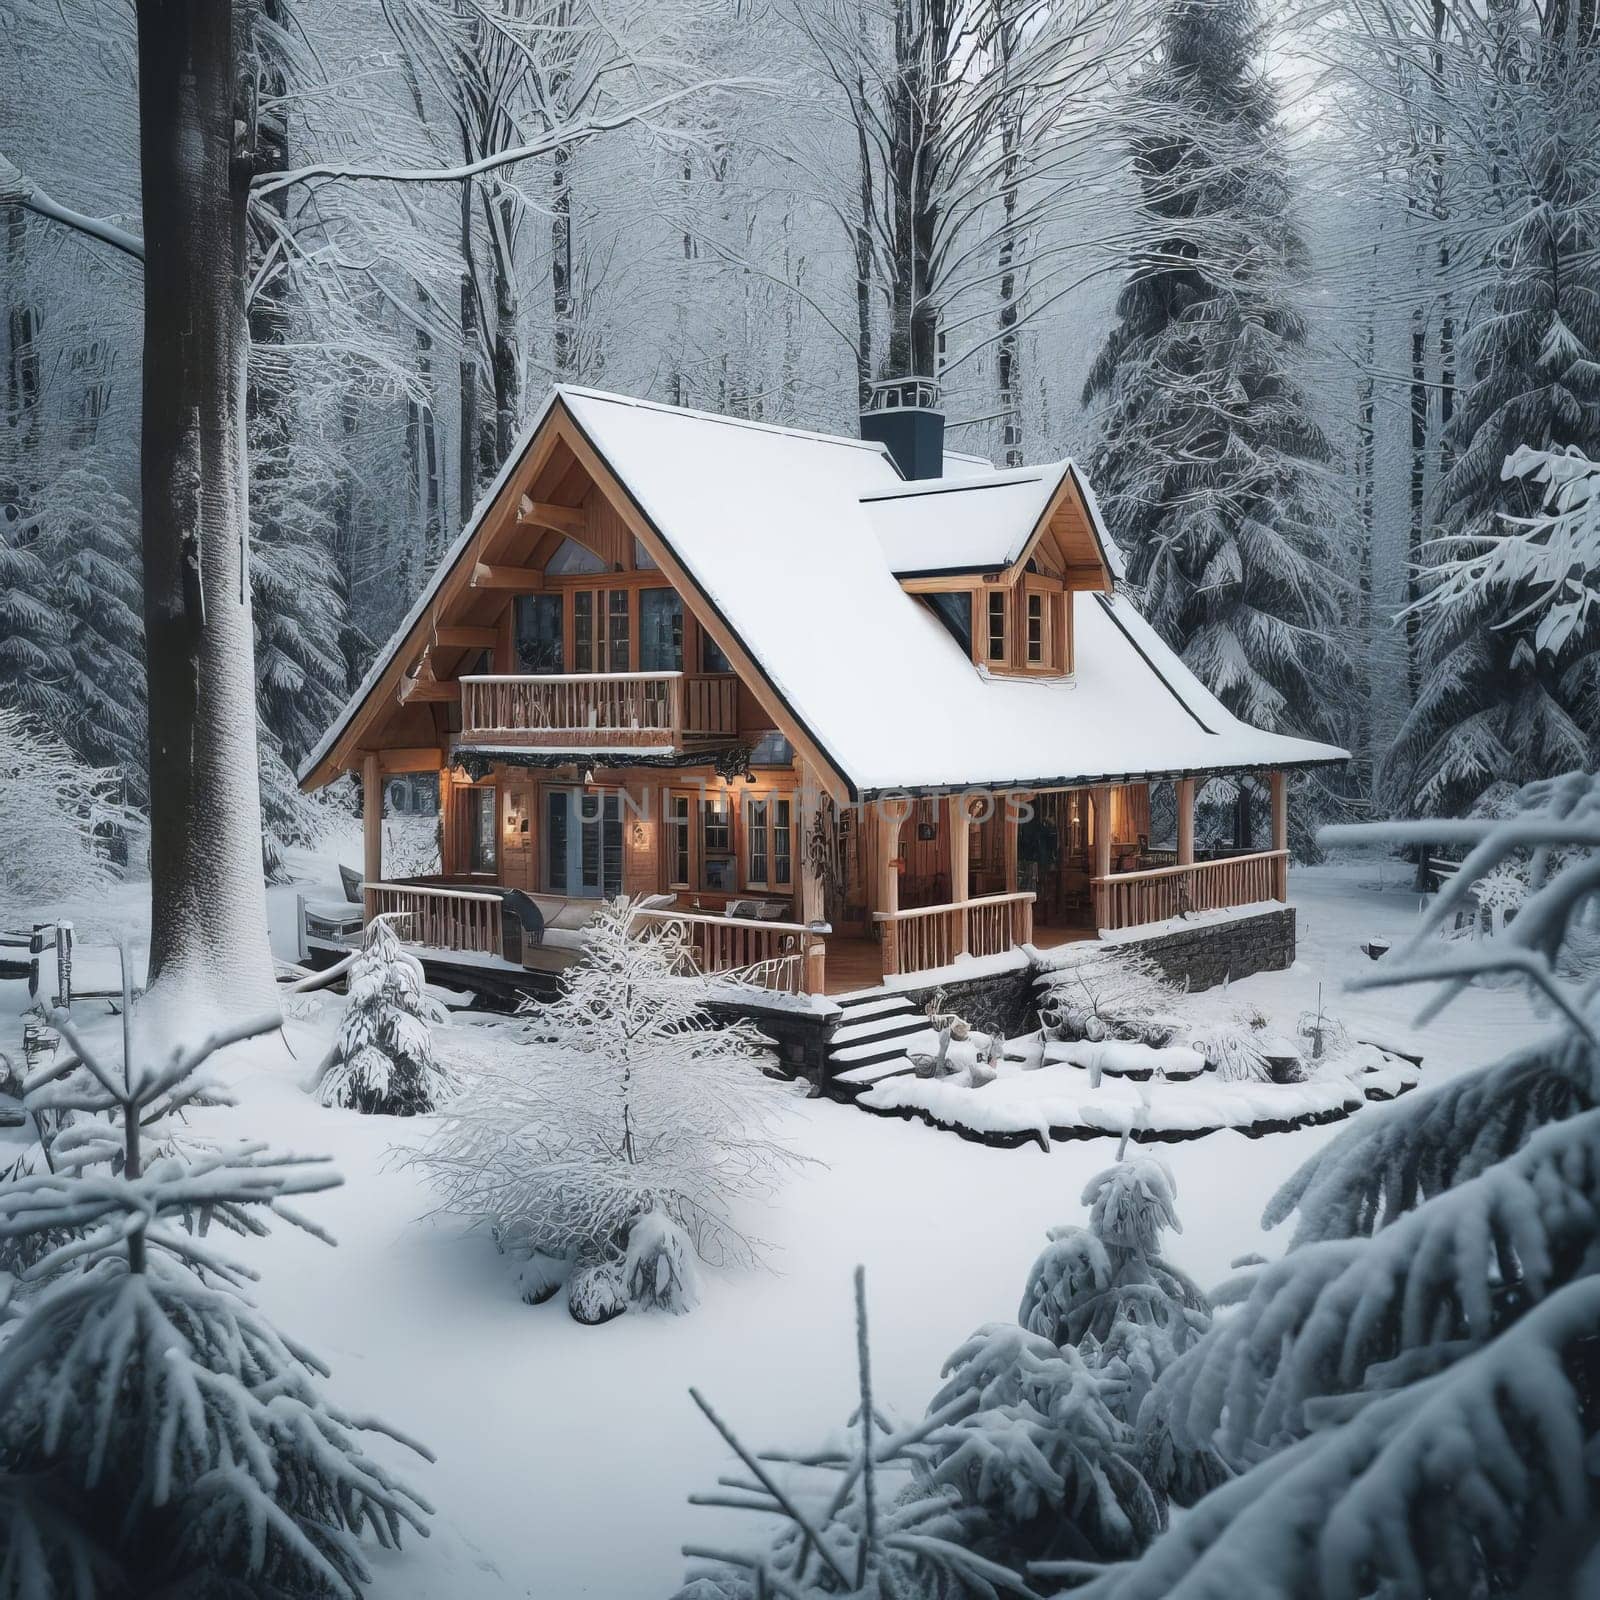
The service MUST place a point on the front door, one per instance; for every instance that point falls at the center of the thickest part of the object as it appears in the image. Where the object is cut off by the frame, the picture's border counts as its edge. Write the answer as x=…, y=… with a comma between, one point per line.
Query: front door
x=583, y=843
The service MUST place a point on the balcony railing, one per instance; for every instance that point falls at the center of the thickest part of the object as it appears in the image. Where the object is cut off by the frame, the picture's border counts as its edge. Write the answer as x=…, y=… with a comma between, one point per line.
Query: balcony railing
x=1129, y=899
x=925, y=937
x=785, y=956
x=440, y=919
x=622, y=709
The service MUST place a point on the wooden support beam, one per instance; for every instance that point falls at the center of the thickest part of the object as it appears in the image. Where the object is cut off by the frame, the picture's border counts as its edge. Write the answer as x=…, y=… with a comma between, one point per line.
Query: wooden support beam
x=958, y=826
x=1185, y=789
x=414, y=758
x=371, y=821
x=418, y=691
x=466, y=638
x=485, y=576
x=1278, y=782
x=812, y=907
x=1010, y=821
x=542, y=514
x=1100, y=794
x=888, y=896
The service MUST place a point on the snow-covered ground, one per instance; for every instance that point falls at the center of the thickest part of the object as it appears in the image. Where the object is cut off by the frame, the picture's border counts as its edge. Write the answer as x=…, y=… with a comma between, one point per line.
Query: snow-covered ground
x=565, y=1453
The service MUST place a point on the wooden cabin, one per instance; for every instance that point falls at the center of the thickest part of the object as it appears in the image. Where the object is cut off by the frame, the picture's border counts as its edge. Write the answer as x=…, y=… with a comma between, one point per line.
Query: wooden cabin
x=844, y=707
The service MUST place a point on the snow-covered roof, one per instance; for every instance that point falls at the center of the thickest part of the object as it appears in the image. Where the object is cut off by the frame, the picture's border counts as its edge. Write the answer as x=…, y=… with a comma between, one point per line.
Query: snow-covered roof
x=979, y=522
x=781, y=532
x=785, y=549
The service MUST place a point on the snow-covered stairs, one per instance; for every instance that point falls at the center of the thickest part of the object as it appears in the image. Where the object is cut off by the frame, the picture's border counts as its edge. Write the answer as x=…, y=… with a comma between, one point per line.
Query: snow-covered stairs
x=872, y=1040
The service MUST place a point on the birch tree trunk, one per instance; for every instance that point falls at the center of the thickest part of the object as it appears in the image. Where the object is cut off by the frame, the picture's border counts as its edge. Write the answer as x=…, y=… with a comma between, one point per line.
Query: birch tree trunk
x=208, y=923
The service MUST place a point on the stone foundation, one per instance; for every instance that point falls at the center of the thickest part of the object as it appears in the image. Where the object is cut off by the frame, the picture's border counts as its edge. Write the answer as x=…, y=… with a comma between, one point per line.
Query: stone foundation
x=999, y=1002
x=1221, y=949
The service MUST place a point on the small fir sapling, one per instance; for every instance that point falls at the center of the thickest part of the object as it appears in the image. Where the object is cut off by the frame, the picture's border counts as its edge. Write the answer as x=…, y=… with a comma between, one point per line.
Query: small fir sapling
x=1407, y=1395
x=622, y=1097
x=383, y=1059
x=862, y=1517
x=157, y=1434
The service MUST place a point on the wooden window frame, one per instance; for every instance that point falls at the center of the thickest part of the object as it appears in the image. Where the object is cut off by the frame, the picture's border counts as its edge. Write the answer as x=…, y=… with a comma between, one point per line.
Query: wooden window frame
x=688, y=822
x=770, y=800
x=996, y=663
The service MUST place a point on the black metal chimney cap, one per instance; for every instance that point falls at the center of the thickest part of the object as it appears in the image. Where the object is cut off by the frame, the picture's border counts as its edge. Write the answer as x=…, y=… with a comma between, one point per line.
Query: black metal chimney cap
x=903, y=415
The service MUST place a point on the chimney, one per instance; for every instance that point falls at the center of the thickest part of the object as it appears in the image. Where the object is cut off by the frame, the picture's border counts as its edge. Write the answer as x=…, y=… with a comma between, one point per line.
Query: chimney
x=903, y=414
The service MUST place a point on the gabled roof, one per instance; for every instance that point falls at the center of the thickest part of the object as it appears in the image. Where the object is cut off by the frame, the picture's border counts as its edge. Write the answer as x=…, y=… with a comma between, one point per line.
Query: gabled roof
x=776, y=532
x=980, y=523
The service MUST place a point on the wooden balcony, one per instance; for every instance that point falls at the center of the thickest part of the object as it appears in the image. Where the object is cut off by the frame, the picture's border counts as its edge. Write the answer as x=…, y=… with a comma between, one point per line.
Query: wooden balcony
x=1129, y=899
x=617, y=710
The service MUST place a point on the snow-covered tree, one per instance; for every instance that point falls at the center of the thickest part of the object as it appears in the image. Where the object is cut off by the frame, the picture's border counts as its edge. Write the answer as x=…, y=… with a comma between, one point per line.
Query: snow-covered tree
x=157, y=1433
x=1407, y=1395
x=623, y=1098
x=1211, y=466
x=1511, y=688
x=383, y=1059
x=62, y=825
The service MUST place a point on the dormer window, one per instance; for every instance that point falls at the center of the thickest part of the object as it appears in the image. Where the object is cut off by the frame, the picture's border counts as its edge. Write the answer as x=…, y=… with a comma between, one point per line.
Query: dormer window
x=998, y=641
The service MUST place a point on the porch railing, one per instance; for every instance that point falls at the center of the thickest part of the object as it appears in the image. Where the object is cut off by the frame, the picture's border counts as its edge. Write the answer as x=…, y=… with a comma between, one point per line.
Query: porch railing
x=1129, y=899
x=611, y=708
x=441, y=919
x=783, y=956
x=924, y=937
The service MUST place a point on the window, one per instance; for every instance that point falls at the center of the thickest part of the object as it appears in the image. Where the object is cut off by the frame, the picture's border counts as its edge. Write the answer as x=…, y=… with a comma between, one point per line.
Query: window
x=583, y=630
x=539, y=632
x=572, y=557
x=718, y=870
x=769, y=843
x=483, y=814
x=756, y=833
x=772, y=750
x=642, y=558
x=1038, y=631
x=583, y=843
x=555, y=841
x=679, y=858
x=660, y=631
x=618, y=621
x=997, y=626
x=711, y=656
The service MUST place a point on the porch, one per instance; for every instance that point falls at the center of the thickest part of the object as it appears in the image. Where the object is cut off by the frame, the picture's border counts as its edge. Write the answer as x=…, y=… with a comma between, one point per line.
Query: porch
x=901, y=886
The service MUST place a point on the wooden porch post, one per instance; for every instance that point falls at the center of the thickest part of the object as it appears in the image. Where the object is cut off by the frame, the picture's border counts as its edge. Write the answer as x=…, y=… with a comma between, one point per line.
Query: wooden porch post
x=957, y=824
x=1280, y=834
x=1010, y=819
x=1100, y=796
x=889, y=826
x=1185, y=787
x=811, y=888
x=371, y=827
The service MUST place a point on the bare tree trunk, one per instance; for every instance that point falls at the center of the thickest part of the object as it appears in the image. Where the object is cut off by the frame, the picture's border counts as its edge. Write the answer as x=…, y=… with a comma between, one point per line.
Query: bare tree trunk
x=468, y=454
x=208, y=924
x=565, y=356
x=22, y=369
x=1007, y=354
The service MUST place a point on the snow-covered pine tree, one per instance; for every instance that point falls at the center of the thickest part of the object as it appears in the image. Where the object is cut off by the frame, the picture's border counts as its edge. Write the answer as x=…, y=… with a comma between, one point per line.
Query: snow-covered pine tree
x=1409, y=1395
x=1211, y=466
x=1502, y=698
x=383, y=1060
x=624, y=1097
x=157, y=1433
x=87, y=538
